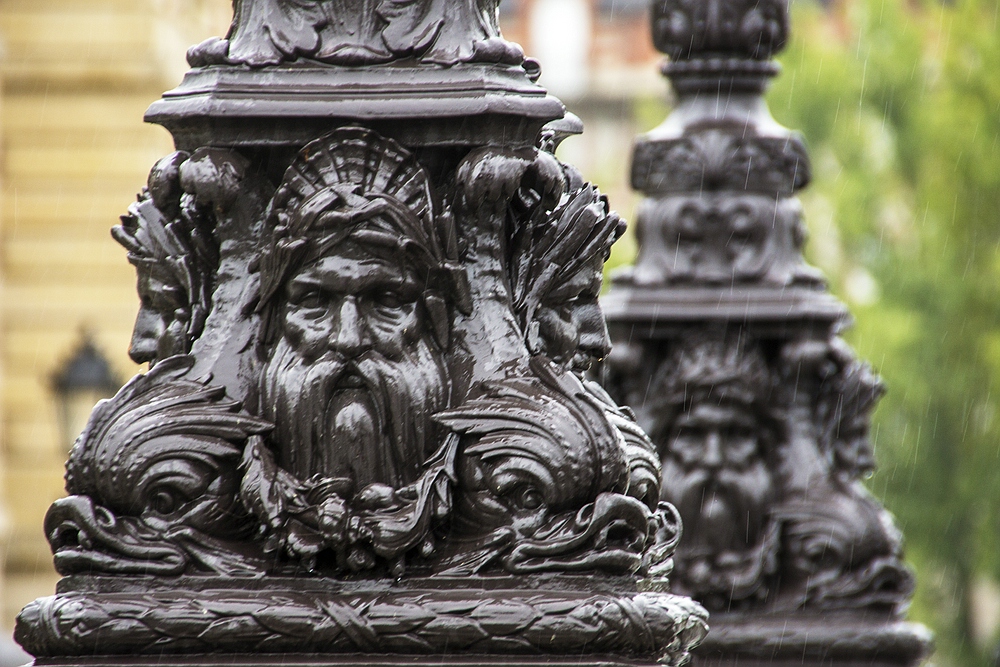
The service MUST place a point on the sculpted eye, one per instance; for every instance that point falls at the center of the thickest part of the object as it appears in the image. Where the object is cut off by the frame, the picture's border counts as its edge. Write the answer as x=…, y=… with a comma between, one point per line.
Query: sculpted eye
x=527, y=498
x=388, y=300
x=313, y=299
x=163, y=500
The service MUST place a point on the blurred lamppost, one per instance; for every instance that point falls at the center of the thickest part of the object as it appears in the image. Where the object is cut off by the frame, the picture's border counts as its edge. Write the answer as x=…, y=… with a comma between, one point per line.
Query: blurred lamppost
x=83, y=380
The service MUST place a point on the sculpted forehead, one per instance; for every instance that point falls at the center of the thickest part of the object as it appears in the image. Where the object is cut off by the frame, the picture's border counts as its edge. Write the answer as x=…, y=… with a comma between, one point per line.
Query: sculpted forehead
x=353, y=269
x=709, y=415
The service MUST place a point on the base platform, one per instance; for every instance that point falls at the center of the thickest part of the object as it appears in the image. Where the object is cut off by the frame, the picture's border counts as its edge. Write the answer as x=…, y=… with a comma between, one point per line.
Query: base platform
x=835, y=639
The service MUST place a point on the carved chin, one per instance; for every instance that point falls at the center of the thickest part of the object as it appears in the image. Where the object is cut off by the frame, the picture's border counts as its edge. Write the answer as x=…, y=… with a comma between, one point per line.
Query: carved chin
x=86, y=538
x=608, y=534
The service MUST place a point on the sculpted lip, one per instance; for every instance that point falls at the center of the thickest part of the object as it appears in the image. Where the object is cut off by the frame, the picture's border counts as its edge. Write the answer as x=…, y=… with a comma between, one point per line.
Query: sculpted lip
x=350, y=380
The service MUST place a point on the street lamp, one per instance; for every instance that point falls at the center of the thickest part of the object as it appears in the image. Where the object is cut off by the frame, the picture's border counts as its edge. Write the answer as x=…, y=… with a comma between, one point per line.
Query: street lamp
x=84, y=380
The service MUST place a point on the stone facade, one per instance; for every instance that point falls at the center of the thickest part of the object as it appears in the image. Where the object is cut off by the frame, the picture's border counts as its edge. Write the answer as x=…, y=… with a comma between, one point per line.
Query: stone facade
x=77, y=77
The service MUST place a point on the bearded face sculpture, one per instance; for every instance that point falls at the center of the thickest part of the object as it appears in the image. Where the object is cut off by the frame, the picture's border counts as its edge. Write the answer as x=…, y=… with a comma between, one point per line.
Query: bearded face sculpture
x=175, y=257
x=355, y=364
x=716, y=441
x=720, y=481
x=355, y=375
x=716, y=473
x=557, y=276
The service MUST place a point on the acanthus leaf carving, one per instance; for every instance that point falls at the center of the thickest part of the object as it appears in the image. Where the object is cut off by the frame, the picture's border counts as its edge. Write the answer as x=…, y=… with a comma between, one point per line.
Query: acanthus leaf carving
x=714, y=160
x=387, y=383
x=340, y=32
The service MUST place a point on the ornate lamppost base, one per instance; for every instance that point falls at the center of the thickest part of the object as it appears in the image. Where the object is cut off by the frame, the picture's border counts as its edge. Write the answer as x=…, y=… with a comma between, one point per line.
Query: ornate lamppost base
x=368, y=287
x=832, y=639
x=576, y=620
x=357, y=660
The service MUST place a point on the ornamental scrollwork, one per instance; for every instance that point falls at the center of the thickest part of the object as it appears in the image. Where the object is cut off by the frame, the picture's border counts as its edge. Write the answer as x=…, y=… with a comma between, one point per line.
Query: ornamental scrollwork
x=368, y=302
x=363, y=444
x=436, y=32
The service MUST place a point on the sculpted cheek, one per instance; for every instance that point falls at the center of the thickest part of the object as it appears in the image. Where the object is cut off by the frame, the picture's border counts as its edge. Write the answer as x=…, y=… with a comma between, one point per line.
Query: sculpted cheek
x=394, y=332
x=307, y=330
x=559, y=334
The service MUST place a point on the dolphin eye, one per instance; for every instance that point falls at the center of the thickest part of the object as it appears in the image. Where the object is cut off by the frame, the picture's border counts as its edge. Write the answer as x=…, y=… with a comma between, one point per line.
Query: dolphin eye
x=163, y=501
x=528, y=498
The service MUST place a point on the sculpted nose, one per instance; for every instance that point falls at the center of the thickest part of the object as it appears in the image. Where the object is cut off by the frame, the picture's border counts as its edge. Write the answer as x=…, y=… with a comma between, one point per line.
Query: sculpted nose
x=348, y=336
x=145, y=336
x=593, y=331
x=713, y=450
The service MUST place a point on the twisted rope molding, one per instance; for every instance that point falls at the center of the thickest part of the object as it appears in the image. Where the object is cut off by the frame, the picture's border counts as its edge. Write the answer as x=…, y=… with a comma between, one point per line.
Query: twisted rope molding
x=657, y=625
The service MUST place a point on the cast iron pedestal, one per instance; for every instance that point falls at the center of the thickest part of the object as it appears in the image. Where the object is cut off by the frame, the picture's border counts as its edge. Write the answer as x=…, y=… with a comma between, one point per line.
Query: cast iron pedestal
x=369, y=294
x=727, y=348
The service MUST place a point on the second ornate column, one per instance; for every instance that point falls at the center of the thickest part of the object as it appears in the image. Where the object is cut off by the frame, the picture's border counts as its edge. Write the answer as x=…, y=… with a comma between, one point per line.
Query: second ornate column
x=727, y=348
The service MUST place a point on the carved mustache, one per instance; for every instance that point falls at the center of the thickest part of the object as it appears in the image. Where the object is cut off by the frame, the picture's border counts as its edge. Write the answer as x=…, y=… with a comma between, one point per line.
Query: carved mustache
x=742, y=497
x=699, y=485
x=339, y=372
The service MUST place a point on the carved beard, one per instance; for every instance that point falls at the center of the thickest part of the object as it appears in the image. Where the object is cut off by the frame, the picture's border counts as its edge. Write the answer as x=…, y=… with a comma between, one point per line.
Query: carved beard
x=723, y=511
x=367, y=419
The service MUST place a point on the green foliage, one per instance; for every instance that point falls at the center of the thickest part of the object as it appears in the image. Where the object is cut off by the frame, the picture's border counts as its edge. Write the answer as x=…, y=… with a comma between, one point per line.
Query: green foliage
x=899, y=101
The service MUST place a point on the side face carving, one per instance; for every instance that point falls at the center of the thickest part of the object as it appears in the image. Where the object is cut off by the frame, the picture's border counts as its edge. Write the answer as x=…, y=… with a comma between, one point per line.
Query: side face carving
x=840, y=547
x=844, y=407
x=557, y=275
x=169, y=241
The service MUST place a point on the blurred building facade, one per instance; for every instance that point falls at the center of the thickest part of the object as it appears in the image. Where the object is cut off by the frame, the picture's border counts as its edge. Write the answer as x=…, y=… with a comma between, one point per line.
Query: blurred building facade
x=77, y=76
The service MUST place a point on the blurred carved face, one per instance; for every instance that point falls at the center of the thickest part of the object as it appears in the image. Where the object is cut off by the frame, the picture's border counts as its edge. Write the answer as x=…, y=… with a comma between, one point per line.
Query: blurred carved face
x=715, y=473
x=570, y=321
x=161, y=327
x=352, y=383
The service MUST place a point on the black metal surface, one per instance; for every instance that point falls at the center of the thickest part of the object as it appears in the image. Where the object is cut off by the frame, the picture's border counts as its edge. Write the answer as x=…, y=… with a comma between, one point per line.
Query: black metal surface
x=369, y=295
x=726, y=348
